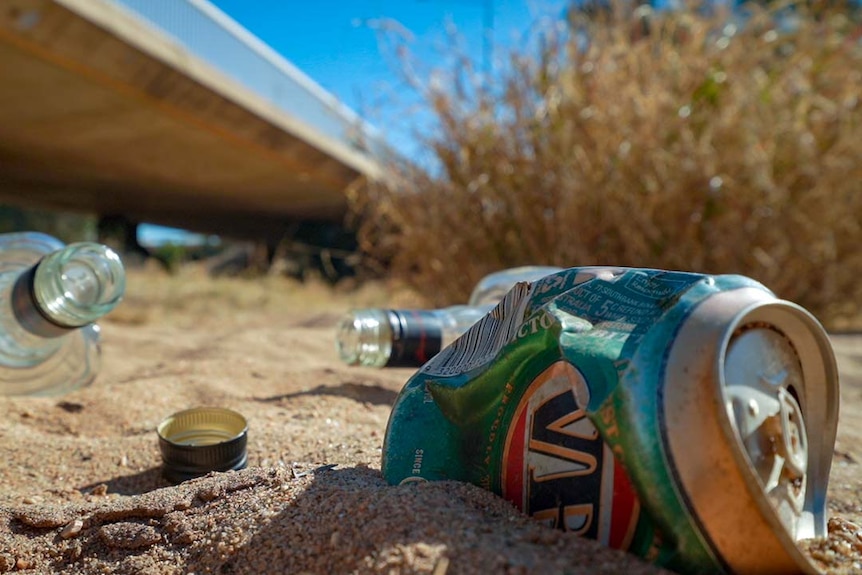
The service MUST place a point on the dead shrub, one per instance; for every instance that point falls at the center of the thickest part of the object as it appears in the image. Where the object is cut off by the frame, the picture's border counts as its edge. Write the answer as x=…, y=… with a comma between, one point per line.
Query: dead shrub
x=678, y=140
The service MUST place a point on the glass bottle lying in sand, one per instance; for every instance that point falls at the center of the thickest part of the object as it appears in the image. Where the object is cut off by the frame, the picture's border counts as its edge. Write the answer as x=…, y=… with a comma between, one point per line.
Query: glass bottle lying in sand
x=378, y=337
x=50, y=295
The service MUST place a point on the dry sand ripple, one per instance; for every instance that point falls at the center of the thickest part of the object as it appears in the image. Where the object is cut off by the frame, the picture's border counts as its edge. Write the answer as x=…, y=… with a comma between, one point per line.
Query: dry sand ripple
x=82, y=492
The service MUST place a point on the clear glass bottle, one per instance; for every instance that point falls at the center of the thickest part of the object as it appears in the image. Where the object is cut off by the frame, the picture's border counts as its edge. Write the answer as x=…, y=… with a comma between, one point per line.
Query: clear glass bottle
x=50, y=295
x=377, y=337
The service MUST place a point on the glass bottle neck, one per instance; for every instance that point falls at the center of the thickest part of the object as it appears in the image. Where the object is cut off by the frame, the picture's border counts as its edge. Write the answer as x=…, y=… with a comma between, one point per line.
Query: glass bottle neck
x=26, y=309
x=26, y=337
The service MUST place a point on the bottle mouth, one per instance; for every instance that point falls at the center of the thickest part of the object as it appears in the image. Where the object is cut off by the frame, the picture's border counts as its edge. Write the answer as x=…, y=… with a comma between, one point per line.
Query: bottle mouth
x=348, y=340
x=78, y=284
x=364, y=338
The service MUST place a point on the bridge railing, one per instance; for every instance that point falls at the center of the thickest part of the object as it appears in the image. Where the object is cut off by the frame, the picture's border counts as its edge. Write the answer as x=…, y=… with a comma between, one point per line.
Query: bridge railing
x=214, y=37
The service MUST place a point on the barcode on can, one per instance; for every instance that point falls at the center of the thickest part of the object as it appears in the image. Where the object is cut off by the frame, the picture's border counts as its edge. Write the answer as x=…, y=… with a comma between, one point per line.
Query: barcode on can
x=485, y=338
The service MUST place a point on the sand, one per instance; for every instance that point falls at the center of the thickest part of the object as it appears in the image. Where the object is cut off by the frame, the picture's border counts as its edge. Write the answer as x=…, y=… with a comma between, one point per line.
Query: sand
x=81, y=489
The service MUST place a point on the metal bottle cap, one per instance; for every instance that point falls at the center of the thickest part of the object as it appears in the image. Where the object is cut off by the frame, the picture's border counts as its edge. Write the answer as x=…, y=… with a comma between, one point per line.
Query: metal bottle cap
x=202, y=439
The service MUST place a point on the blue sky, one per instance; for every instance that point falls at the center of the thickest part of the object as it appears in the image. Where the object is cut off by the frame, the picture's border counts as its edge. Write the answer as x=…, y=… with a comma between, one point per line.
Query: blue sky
x=336, y=42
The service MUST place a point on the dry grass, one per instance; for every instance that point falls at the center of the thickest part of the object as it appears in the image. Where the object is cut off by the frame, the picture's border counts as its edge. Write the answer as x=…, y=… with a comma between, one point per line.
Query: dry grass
x=673, y=141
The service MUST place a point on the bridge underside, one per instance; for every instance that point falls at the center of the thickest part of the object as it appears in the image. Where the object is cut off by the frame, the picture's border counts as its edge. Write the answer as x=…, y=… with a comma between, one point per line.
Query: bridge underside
x=92, y=122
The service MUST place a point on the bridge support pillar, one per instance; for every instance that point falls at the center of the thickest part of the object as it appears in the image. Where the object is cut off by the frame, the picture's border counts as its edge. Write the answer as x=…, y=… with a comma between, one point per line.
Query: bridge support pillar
x=121, y=234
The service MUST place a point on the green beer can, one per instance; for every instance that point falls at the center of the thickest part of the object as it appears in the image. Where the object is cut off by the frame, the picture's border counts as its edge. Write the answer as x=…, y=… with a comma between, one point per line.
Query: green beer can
x=686, y=418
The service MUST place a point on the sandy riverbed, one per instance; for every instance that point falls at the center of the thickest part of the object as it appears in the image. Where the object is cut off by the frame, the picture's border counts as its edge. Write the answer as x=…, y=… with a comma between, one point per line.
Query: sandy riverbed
x=81, y=489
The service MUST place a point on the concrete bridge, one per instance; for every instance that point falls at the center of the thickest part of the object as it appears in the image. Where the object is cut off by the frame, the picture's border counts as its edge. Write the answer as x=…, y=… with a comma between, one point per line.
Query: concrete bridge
x=167, y=111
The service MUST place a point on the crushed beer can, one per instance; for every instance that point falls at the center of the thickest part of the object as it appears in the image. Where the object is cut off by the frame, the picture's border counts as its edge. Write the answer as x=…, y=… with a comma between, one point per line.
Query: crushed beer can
x=686, y=418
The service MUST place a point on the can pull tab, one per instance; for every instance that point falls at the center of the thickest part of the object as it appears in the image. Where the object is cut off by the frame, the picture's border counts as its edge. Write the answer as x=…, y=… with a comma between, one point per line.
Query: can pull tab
x=784, y=433
x=793, y=442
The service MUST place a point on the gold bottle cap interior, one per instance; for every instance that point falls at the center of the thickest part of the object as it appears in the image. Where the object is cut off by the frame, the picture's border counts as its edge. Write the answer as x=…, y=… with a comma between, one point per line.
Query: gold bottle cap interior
x=197, y=441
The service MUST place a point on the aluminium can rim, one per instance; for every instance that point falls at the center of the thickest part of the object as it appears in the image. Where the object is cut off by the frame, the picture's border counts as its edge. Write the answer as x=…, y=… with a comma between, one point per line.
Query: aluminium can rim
x=717, y=485
x=819, y=406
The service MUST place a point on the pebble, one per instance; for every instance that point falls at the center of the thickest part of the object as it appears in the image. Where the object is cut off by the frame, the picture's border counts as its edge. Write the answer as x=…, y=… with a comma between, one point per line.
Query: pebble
x=72, y=529
x=100, y=489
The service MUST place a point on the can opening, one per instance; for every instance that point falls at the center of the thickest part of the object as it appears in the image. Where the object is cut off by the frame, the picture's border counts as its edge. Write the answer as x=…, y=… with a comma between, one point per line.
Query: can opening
x=780, y=356
x=762, y=373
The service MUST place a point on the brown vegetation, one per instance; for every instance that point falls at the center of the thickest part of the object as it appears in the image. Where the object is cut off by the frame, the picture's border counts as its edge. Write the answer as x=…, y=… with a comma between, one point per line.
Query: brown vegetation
x=675, y=141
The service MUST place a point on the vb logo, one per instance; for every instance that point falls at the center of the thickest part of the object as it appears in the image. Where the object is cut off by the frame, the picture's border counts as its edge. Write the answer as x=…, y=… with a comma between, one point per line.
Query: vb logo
x=557, y=468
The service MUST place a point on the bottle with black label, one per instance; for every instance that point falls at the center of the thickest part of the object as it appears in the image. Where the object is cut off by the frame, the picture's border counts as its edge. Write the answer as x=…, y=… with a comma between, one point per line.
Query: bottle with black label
x=50, y=295
x=377, y=337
